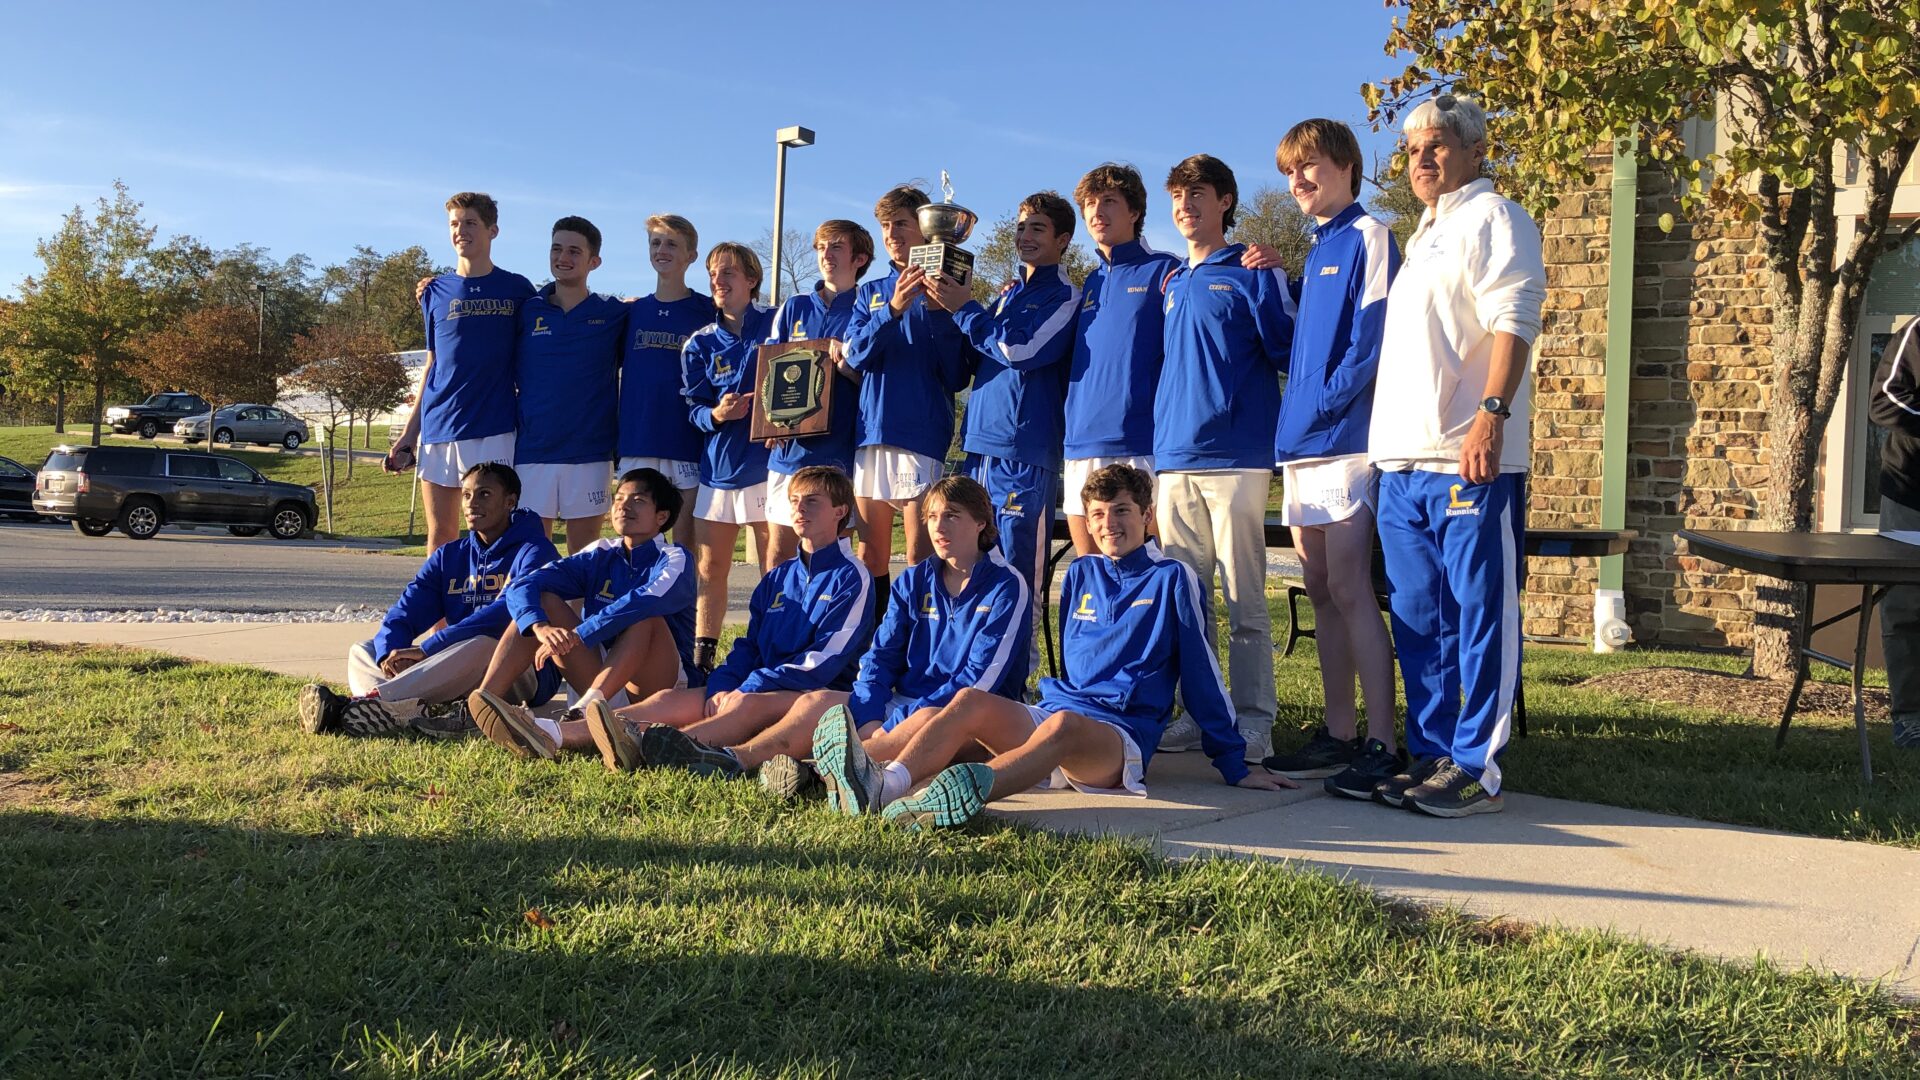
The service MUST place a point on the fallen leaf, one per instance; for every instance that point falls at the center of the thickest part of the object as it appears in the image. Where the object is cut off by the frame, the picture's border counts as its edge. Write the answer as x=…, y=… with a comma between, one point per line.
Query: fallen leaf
x=196, y=853
x=204, y=726
x=563, y=1032
x=539, y=919
x=434, y=793
x=10, y=727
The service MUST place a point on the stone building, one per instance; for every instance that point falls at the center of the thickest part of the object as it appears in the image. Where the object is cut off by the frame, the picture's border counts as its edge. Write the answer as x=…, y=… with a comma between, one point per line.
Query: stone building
x=1678, y=333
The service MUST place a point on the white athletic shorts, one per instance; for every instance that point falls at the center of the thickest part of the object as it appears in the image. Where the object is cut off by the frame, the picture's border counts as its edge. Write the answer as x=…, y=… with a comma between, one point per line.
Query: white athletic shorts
x=779, y=503
x=565, y=491
x=1074, y=477
x=685, y=475
x=740, y=506
x=444, y=463
x=1321, y=491
x=1133, y=774
x=891, y=474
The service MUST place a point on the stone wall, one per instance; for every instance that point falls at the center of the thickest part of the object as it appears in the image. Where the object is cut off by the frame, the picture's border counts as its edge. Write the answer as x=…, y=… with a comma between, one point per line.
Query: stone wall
x=1698, y=400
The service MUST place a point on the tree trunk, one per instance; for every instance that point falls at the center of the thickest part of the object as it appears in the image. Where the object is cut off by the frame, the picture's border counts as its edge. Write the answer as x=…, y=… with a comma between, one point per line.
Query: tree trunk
x=60, y=408
x=99, y=405
x=349, y=447
x=326, y=476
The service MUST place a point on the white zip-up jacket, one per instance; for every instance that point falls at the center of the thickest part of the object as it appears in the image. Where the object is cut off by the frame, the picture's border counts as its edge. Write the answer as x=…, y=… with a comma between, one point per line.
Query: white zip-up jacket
x=1473, y=269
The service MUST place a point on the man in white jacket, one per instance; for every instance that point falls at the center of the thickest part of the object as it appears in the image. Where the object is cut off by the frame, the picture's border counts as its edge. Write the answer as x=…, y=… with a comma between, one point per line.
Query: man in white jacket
x=1449, y=436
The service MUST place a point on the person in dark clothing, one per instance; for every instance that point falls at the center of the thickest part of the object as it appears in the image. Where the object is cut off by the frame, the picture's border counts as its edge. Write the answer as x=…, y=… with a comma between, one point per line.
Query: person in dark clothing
x=1896, y=407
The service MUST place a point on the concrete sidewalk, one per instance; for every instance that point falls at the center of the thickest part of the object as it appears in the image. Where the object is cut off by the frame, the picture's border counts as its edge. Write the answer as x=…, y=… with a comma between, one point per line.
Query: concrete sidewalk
x=1724, y=890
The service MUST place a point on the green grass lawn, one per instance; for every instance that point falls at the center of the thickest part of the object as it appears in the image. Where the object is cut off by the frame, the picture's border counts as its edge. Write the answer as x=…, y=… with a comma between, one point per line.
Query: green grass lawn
x=194, y=888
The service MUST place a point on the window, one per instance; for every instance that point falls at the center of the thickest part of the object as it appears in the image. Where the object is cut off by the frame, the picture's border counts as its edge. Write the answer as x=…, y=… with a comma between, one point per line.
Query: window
x=250, y=414
x=234, y=471
x=273, y=414
x=8, y=468
x=192, y=467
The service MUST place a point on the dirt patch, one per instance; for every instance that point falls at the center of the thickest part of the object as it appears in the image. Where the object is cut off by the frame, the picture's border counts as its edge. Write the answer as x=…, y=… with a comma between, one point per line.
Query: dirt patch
x=17, y=792
x=1696, y=688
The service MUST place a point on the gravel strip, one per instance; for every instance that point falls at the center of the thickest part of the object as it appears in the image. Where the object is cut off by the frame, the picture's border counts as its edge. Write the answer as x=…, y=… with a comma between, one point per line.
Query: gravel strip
x=342, y=614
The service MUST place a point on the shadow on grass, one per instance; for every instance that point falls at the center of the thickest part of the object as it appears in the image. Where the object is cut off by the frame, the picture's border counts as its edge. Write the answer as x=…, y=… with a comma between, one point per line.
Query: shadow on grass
x=176, y=948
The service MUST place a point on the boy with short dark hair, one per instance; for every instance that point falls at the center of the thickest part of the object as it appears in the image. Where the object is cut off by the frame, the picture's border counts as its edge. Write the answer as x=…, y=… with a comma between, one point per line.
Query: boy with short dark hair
x=1228, y=333
x=567, y=372
x=1015, y=413
x=465, y=413
x=632, y=637
x=654, y=430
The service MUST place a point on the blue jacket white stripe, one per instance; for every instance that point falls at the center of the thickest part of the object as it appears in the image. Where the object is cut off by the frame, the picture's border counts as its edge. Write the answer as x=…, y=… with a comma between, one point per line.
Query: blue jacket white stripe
x=463, y=583
x=1017, y=408
x=933, y=645
x=1336, y=339
x=716, y=361
x=807, y=625
x=1130, y=630
x=1228, y=335
x=801, y=318
x=620, y=588
x=910, y=366
x=1119, y=341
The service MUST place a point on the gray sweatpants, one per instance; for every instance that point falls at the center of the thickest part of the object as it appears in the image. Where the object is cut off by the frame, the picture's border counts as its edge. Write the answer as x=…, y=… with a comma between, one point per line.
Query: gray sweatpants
x=448, y=675
x=1900, y=620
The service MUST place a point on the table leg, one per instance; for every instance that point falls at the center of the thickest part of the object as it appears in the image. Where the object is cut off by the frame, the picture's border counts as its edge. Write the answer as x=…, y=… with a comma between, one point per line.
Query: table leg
x=1803, y=642
x=1859, y=675
x=1046, y=605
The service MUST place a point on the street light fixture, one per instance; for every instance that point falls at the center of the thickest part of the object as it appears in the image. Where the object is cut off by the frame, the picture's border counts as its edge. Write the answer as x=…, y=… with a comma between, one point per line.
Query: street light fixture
x=795, y=136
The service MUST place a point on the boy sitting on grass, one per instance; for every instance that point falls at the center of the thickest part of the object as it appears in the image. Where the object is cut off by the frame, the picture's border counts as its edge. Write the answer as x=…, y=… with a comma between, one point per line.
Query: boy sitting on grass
x=457, y=596
x=958, y=620
x=808, y=622
x=634, y=635
x=1132, y=626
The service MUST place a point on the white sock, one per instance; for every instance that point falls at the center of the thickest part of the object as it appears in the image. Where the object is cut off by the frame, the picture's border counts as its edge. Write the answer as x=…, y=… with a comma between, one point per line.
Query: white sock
x=551, y=727
x=588, y=698
x=895, y=782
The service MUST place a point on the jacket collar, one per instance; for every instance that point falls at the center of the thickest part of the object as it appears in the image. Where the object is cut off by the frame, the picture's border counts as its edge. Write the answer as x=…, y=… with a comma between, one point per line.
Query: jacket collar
x=1133, y=563
x=1229, y=255
x=1338, y=221
x=835, y=554
x=1043, y=275
x=1133, y=251
x=1454, y=200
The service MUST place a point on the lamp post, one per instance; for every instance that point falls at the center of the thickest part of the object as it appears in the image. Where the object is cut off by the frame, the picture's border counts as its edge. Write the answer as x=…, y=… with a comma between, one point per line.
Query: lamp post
x=785, y=137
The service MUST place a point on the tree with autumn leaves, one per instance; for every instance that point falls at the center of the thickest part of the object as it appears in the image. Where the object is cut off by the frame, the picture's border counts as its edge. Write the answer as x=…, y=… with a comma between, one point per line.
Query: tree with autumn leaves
x=1796, y=85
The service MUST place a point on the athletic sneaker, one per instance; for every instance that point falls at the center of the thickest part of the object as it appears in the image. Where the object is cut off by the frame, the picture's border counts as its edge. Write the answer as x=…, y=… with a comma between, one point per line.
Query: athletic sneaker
x=852, y=779
x=617, y=740
x=669, y=747
x=787, y=778
x=1180, y=736
x=510, y=725
x=320, y=709
x=1906, y=732
x=1323, y=756
x=1393, y=790
x=1368, y=769
x=1453, y=792
x=952, y=798
x=447, y=720
x=1259, y=745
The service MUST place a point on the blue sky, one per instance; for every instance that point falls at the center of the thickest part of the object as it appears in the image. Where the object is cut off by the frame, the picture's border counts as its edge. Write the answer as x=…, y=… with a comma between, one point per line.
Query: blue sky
x=313, y=128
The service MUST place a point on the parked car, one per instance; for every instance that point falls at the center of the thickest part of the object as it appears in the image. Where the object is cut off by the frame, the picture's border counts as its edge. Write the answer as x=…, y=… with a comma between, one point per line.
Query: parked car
x=142, y=488
x=260, y=424
x=156, y=414
x=16, y=489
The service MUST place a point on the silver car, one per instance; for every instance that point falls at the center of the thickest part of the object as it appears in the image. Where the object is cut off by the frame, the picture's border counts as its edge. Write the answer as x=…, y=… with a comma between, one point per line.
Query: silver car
x=260, y=424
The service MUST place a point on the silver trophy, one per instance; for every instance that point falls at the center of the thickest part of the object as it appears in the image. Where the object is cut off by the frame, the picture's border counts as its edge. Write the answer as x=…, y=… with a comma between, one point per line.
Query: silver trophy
x=946, y=225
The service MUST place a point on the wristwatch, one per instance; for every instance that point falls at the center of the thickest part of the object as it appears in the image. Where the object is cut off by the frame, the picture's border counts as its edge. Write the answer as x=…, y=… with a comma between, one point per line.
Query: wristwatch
x=1497, y=406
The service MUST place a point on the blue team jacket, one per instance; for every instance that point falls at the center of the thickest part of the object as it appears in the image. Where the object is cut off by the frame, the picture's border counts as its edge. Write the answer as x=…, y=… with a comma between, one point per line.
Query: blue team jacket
x=1117, y=351
x=471, y=327
x=910, y=369
x=1016, y=410
x=653, y=415
x=1130, y=629
x=812, y=316
x=620, y=587
x=1336, y=338
x=807, y=624
x=1228, y=333
x=716, y=361
x=933, y=645
x=463, y=582
x=567, y=373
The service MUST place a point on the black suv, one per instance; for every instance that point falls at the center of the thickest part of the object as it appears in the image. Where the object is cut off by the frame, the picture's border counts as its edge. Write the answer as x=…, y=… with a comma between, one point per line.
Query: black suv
x=156, y=414
x=141, y=488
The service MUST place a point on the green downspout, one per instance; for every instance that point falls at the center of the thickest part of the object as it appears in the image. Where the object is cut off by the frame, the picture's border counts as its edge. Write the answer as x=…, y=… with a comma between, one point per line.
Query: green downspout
x=1619, y=373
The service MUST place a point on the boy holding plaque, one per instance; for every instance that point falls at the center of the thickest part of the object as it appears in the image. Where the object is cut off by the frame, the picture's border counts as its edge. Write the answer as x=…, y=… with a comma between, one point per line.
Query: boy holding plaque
x=844, y=251
x=1015, y=414
x=717, y=375
x=655, y=432
x=912, y=361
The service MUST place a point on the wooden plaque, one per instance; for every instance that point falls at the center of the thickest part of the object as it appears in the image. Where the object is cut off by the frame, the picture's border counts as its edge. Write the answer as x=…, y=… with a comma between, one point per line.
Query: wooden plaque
x=794, y=396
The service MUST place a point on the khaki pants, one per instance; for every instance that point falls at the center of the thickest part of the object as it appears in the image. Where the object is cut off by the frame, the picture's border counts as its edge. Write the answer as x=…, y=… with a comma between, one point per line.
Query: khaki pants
x=448, y=675
x=1217, y=521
